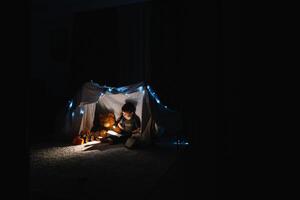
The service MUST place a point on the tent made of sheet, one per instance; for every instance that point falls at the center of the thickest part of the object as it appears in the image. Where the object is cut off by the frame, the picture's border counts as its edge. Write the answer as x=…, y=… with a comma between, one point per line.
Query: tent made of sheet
x=93, y=99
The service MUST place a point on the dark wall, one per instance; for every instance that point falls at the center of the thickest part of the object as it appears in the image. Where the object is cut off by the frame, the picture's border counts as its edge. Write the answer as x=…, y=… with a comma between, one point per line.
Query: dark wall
x=184, y=59
x=95, y=49
x=195, y=69
x=109, y=45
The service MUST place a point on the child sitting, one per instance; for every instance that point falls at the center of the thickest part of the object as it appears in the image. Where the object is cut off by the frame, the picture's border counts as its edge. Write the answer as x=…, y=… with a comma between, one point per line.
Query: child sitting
x=129, y=123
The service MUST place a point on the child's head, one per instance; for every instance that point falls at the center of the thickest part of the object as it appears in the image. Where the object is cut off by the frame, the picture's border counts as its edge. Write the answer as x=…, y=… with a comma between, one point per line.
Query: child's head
x=127, y=110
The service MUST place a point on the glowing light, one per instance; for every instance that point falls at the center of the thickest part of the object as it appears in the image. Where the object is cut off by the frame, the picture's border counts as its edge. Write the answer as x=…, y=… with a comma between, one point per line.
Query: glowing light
x=70, y=104
x=140, y=88
x=153, y=94
x=166, y=107
x=73, y=114
x=122, y=89
x=114, y=126
x=109, y=89
x=81, y=111
x=181, y=143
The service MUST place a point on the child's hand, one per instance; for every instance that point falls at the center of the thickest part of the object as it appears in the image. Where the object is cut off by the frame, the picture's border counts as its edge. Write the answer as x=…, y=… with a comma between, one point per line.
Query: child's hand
x=135, y=135
x=136, y=131
x=119, y=125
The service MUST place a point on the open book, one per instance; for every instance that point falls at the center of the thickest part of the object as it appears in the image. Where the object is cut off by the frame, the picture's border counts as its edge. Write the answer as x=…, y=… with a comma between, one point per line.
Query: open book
x=111, y=132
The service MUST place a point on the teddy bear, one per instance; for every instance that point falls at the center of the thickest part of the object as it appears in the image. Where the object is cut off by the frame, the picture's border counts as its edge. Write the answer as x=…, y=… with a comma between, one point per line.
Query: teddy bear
x=107, y=121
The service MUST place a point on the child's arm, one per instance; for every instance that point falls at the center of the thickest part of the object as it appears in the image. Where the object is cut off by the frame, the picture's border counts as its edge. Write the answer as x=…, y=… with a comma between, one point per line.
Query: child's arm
x=137, y=124
x=136, y=131
x=120, y=126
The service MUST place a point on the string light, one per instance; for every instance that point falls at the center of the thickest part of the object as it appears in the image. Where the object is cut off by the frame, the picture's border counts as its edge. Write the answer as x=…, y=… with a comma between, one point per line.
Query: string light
x=121, y=89
x=70, y=104
x=140, y=88
x=153, y=94
x=81, y=111
x=180, y=142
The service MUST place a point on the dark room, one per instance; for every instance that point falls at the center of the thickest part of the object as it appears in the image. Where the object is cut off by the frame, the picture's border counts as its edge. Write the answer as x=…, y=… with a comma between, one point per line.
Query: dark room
x=133, y=99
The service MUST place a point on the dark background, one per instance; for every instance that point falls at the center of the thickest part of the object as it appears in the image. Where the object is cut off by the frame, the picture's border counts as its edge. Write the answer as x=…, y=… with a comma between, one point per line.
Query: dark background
x=188, y=51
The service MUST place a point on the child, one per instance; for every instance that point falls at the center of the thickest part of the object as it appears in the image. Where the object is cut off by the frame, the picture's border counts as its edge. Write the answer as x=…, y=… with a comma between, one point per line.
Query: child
x=129, y=123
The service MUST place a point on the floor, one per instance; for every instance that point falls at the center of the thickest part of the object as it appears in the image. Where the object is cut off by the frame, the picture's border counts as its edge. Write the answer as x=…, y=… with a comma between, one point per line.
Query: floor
x=97, y=171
